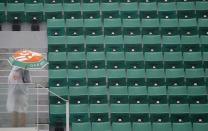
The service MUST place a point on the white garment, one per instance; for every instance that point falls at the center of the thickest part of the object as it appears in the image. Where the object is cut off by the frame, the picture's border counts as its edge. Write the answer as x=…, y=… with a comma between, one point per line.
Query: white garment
x=17, y=100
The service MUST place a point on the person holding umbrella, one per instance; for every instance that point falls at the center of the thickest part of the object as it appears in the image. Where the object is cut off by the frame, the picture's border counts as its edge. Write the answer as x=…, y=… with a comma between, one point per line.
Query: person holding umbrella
x=17, y=100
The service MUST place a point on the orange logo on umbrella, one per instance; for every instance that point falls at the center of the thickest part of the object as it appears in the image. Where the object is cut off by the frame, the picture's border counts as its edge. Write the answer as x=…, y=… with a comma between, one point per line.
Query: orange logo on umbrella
x=27, y=56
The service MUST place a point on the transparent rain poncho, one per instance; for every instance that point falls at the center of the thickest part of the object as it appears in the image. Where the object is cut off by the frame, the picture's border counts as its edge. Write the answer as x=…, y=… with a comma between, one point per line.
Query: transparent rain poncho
x=17, y=99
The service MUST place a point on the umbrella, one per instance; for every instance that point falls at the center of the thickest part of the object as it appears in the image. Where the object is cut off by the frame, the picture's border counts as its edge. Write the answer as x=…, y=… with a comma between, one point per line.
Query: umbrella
x=28, y=59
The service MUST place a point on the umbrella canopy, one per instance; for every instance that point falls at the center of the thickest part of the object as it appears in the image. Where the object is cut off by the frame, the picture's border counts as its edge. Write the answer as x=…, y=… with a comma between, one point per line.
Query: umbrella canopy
x=28, y=59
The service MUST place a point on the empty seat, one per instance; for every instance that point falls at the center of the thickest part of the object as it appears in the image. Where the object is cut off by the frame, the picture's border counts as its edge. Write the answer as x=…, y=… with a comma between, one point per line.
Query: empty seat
x=119, y=112
x=97, y=94
x=15, y=12
x=185, y=5
x=185, y=126
x=99, y=112
x=57, y=113
x=78, y=94
x=161, y=126
x=147, y=6
x=129, y=6
x=34, y=12
x=118, y=94
x=125, y=126
x=84, y=126
x=89, y=5
x=103, y=126
x=57, y=77
x=79, y=113
x=141, y=126
x=53, y=11
x=137, y=94
x=109, y=6
x=200, y=126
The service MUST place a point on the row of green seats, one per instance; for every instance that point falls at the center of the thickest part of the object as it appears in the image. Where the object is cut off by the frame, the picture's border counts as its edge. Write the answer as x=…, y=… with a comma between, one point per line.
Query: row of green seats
x=132, y=81
x=35, y=11
x=127, y=24
x=122, y=57
x=131, y=94
x=144, y=126
x=124, y=5
x=134, y=112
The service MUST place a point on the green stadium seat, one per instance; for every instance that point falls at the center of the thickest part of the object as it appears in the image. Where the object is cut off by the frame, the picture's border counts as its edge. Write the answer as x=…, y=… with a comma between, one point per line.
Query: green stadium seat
x=33, y=1
x=201, y=5
x=57, y=78
x=200, y=126
x=138, y=112
x=61, y=91
x=197, y=90
x=179, y=108
x=89, y=5
x=149, y=22
x=92, y=20
x=137, y=94
x=103, y=126
x=116, y=73
x=151, y=39
x=130, y=19
x=157, y=90
x=168, y=19
x=96, y=77
x=118, y=94
x=76, y=56
x=72, y=10
x=155, y=73
x=96, y=63
x=125, y=126
x=186, y=126
x=166, y=6
x=198, y=108
x=53, y=2
x=195, y=72
x=147, y=6
x=83, y=126
x=57, y=113
x=153, y=56
x=75, y=41
x=134, y=56
x=78, y=94
x=97, y=94
x=141, y=126
x=159, y=109
x=79, y=113
x=77, y=77
x=175, y=73
x=107, y=6
x=73, y=23
x=177, y=94
x=184, y=5
x=128, y=6
x=192, y=22
x=15, y=11
x=202, y=23
x=53, y=11
x=111, y=22
x=119, y=112
x=135, y=73
x=99, y=112
x=163, y=126
x=56, y=27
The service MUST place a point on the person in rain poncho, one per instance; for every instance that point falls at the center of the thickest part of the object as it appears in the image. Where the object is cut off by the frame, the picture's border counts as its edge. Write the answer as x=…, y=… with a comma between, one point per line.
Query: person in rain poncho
x=17, y=100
